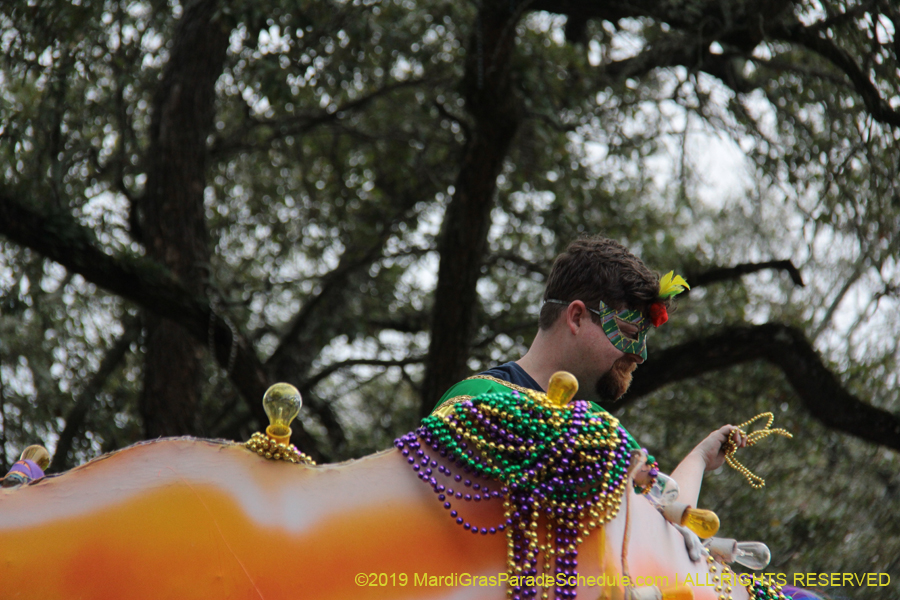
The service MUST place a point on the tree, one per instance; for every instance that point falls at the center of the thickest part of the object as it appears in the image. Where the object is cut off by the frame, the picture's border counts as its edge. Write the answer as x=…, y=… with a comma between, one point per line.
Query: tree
x=363, y=198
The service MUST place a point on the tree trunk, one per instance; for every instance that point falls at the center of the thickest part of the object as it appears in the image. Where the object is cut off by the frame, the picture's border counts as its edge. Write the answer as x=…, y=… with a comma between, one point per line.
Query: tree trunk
x=173, y=228
x=494, y=106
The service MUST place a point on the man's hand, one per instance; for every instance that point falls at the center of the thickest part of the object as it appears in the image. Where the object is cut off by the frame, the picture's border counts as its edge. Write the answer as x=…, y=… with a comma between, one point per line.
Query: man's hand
x=708, y=455
x=712, y=449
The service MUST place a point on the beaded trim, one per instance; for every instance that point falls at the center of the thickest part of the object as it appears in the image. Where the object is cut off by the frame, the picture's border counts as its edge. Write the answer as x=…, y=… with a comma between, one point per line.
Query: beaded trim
x=512, y=386
x=456, y=399
x=763, y=590
x=757, y=588
x=443, y=407
x=568, y=463
x=269, y=448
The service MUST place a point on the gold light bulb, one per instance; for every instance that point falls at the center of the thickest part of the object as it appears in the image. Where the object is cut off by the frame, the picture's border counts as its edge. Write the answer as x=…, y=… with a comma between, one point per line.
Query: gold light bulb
x=703, y=522
x=282, y=404
x=562, y=388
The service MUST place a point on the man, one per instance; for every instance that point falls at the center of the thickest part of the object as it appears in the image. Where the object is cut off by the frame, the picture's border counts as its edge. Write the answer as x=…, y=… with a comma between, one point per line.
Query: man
x=598, y=306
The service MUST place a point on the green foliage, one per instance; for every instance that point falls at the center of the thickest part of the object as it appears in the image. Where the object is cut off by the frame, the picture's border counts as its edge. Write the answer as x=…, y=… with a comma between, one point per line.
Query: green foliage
x=340, y=130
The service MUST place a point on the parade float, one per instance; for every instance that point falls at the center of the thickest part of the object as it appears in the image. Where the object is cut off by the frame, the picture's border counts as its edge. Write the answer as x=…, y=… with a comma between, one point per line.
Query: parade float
x=509, y=494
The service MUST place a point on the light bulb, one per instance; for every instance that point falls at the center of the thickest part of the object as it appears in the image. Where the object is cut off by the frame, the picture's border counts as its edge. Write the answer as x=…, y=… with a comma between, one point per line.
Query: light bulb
x=651, y=592
x=29, y=467
x=753, y=555
x=562, y=388
x=282, y=404
x=722, y=549
x=703, y=522
x=38, y=454
x=664, y=491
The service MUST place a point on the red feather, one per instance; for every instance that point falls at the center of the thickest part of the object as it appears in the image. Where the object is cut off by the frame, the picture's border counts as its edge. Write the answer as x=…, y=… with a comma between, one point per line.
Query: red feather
x=658, y=314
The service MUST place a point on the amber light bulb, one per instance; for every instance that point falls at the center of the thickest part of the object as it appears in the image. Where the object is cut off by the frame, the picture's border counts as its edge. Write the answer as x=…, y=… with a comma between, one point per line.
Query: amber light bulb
x=562, y=388
x=282, y=404
x=703, y=522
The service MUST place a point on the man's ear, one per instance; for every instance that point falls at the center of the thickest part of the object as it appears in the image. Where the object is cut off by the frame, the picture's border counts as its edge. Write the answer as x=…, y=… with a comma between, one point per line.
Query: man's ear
x=575, y=315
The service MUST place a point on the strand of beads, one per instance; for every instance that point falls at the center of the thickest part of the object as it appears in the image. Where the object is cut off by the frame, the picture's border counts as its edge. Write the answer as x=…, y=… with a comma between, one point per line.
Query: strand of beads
x=722, y=584
x=753, y=438
x=764, y=590
x=269, y=448
x=414, y=447
x=565, y=462
x=757, y=587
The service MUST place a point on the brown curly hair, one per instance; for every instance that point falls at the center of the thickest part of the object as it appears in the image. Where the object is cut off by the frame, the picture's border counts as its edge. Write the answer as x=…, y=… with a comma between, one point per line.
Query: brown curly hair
x=594, y=269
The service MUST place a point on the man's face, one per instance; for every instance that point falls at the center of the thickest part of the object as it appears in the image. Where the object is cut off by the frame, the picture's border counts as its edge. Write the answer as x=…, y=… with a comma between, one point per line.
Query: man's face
x=612, y=348
x=627, y=332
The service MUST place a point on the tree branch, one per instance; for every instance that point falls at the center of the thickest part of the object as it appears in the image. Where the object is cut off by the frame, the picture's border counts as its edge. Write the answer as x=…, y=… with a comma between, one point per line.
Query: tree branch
x=718, y=274
x=740, y=33
x=519, y=261
x=677, y=49
x=814, y=40
x=785, y=66
x=353, y=362
x=787, y=348
x=299, y=124
x=404, y=323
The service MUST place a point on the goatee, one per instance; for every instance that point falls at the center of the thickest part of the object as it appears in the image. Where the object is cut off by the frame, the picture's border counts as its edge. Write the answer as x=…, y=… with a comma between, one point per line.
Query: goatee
x=615, y=382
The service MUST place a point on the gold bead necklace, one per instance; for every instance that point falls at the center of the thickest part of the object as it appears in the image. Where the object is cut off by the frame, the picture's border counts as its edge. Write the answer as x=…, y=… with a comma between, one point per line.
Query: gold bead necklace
x=753, y=437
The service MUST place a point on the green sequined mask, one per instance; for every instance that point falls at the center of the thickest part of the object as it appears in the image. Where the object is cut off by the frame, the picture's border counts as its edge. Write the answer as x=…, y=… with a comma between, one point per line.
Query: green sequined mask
x=631, y=343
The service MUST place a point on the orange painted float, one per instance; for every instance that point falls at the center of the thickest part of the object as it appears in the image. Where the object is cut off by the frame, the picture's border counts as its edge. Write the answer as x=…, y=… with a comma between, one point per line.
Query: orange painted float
x=188, y=518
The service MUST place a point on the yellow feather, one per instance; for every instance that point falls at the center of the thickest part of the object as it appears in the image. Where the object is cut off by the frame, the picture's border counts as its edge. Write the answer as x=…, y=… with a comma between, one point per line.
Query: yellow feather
x=671, y=285
x=679, y=280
